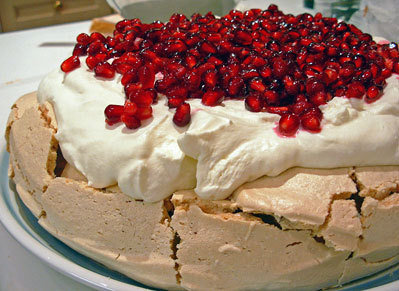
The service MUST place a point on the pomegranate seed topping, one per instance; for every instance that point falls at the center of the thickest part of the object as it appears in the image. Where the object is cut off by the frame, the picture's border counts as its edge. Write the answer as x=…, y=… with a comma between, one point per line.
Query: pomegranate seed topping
x=91, y=62
x=311, y=122
x=79, y=50
x=104, y=70
x=288, y=124
x=70, y=64
x=142, y=98
x=257, y=85
x=373, y=93
x=113, y=113
x=355, y=90
x=97, y=36
x=144, y=113
x=83, y=39
x=131, y=121
x=254, y=103
x=175, y=102
x=129, y=77
x=283, y=64
x=212, y=98
x=146, y=76
x=271, y=97
x=182, y=115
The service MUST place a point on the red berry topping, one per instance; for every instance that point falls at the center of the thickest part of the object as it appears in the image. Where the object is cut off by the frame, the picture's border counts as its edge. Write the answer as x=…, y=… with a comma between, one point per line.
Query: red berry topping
x=70, y=64
x=282, y=64
x=104, y=70
x=288, y=124
x=182, y=115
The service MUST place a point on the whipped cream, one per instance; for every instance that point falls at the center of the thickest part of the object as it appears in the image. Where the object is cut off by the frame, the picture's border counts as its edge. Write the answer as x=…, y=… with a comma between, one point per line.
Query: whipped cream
x=223, y=146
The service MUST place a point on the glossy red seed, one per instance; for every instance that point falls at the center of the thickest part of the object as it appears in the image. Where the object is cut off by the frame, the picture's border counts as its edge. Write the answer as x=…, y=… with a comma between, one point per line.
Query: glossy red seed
x=142, y=98
x=146, y=76
x=207, y=48
x=319, y=98
x=83, y=39
x=311, y=122
x=288, y=124
x=235, y=85
x=79, y=50
x=182, y=115
x=271, y=97
x=210, y=78
x=280, y=67
x=143, y=113
x=129, y=77
x=254, y=103
x=212, y=97
x=104, y=70
x=313, y=85
x=130, y=107
x=257, y=85
x=373, y=93
x=70, y=64
x=97, y=36
x=175, y=102
x=355, y=90
x=91, y=62
x=131, y=121
x=113, y=113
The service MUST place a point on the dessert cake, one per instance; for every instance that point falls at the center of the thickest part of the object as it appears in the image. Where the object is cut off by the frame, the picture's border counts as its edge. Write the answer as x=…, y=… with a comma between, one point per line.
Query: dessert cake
x=253, y=151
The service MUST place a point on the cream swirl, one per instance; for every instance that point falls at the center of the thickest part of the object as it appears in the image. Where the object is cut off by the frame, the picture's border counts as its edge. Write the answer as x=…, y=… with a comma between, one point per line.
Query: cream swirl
x=222, y=148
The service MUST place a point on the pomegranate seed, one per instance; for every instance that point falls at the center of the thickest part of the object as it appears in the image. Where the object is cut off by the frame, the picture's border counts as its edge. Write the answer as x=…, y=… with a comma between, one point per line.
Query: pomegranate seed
x=373, y=93
x=70, y=64
x=311, y=122
x=313, y=86
x=355, y=90
x=257, y=85
x=235, y=86
x=97, y=36
x=113, y=113
x=290, y=85
x=347, y=70
x=129, y=77
x=146, y=76
x=212, y=98
x=208, y=48
x=288, y=124
x=175, y=102
x=254, y=103
x=91, y=62
x=319, y=98
x=130, y=121
x=243, y=37
x=182, y=115
x=83, y=39
x=210, y=78
x=142, y=98
x=79, y=50
x=280, y=67
x=271, y=97
x=104, y=70
x=130, y=107
x=143, y=113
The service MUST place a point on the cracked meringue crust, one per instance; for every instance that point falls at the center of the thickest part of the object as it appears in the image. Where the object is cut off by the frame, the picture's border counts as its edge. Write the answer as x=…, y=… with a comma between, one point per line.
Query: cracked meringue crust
x=304, y=229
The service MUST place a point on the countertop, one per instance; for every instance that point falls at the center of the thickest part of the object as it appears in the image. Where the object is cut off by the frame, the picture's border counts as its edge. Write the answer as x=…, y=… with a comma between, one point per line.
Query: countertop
x=25, y=58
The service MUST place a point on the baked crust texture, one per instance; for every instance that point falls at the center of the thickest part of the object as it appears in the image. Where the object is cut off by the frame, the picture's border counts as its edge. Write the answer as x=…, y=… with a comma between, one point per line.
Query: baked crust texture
x=304, y=229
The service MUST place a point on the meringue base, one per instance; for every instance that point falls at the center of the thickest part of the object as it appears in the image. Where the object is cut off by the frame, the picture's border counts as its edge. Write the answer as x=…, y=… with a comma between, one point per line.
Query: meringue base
x=304, y=229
